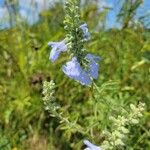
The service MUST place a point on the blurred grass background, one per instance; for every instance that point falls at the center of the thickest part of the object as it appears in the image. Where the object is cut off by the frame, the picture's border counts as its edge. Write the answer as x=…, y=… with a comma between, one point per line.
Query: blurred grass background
x=24, y=65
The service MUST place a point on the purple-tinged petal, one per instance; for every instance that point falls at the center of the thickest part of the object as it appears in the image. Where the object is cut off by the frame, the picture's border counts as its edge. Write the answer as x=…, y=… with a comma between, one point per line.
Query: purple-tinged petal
x=52, y=44
x=85, y=30
x=72, y=68
x=54, y=54
x=91, y=146
x=74, y=71
x=93, y=65
x=84, y=78
x=57, y=48
x=93, y=57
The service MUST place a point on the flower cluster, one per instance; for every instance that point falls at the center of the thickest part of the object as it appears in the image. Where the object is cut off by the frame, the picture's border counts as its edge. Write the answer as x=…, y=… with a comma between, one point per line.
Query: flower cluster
x=49, y=98
x=82, y=67
x=115, y=138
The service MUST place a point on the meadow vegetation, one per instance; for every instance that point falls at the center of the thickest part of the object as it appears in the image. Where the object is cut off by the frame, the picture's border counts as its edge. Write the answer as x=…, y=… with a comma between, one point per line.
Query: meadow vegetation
x=85, y=112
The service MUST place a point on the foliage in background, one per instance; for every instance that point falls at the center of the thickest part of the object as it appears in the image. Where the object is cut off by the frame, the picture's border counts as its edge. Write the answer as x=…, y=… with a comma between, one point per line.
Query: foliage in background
x=124, y=79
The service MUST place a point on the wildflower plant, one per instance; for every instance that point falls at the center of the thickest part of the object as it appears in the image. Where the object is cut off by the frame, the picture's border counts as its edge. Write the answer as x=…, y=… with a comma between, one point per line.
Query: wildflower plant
x=83, y=67
x=54, y=110
x=48, y=97
x=76, y=113
x=115, y=139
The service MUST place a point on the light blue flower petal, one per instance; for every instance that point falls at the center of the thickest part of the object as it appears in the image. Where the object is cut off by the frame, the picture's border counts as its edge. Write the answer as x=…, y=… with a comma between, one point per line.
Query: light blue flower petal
x=86, y=33
x=54, y=54
x=84, y=78
x=87, y=149
x=91, y=146
x=93, y=57
x=52, y=44
x=73, y=70
x=57, y=48
x=93, y=65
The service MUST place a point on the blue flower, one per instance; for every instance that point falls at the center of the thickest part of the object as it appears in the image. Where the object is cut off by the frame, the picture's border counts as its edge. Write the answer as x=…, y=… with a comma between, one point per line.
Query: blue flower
x=93, y=65
x=86, y=33
x=90, y=146
x=84, y=76
x=57, y=48
x=74, y=71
